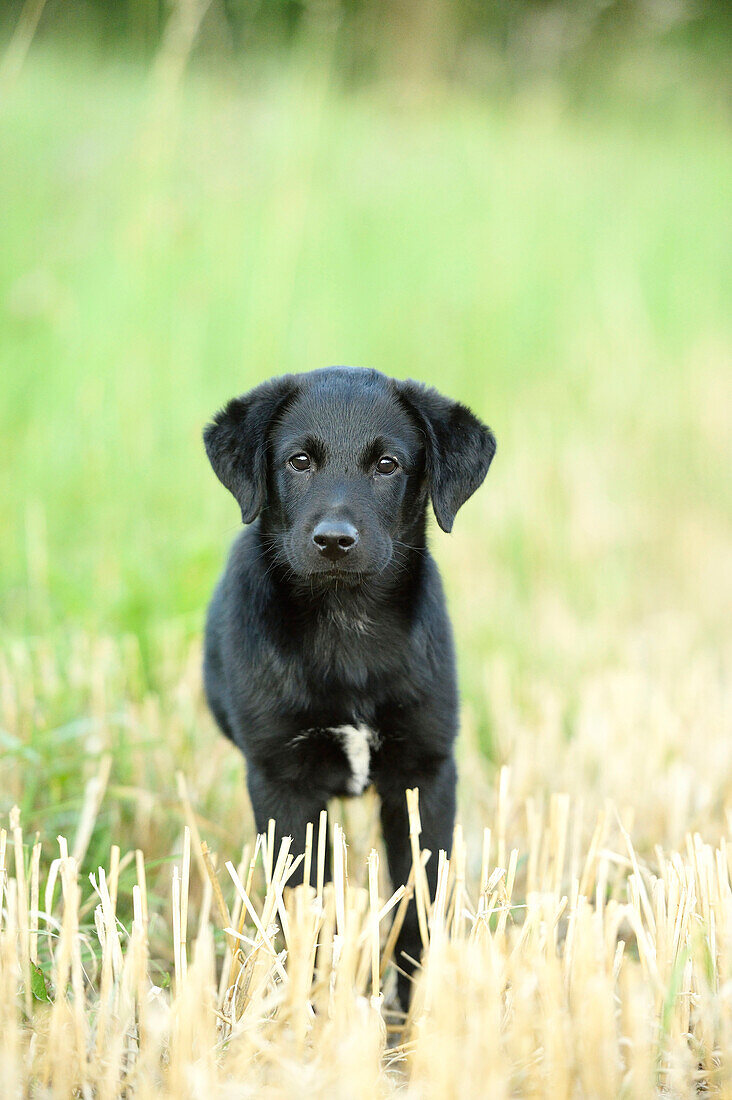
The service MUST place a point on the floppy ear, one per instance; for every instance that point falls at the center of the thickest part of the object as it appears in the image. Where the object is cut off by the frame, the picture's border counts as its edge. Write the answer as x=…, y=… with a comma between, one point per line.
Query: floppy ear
x=458, y=448
x=236, y=442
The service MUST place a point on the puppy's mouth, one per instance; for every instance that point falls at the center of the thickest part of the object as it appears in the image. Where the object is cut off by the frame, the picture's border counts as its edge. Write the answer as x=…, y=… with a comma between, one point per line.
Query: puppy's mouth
x=334, y=574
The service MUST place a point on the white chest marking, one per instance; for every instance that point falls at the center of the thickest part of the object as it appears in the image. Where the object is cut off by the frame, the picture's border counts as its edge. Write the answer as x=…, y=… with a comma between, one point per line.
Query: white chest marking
x=357, y=747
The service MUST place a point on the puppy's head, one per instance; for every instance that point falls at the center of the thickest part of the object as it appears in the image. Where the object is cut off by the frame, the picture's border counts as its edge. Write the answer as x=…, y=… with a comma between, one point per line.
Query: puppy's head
x=339, y=463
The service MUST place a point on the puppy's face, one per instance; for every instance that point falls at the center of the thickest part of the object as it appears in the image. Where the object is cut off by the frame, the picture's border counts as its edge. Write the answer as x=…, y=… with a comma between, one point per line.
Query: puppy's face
x=346, y=469
x=339, y=463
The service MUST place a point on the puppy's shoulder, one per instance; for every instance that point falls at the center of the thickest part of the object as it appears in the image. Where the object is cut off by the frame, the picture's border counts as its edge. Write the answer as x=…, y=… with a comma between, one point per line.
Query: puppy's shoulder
x=242, y=593
x=242, y=565
x=431, y=601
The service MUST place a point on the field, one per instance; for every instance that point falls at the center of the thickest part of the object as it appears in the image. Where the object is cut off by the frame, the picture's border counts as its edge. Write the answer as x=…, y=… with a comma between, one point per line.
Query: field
x=561, y=266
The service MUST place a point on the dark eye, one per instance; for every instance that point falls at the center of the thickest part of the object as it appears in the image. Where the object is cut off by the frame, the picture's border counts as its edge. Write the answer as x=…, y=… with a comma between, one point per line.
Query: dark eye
x=300, y=462
x=387, y=465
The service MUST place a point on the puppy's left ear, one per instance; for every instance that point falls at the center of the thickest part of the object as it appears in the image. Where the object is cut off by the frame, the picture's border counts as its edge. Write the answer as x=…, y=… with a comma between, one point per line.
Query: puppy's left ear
x=236, y=442
x=459, y=448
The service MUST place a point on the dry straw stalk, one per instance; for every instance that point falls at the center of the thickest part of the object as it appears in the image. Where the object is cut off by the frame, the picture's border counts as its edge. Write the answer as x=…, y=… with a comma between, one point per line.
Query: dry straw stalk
x=565, y=973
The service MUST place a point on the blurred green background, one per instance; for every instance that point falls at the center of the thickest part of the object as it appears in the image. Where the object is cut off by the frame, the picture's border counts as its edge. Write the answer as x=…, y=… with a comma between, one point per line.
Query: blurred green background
x=524, y=204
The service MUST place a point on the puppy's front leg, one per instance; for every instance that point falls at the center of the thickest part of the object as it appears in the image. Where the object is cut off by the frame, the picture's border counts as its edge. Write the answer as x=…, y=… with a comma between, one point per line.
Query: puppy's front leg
x=292, y=806
x=437, y=813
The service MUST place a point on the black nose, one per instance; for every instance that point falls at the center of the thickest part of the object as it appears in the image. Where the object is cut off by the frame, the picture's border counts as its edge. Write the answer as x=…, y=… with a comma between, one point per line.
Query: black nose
x=334, y=538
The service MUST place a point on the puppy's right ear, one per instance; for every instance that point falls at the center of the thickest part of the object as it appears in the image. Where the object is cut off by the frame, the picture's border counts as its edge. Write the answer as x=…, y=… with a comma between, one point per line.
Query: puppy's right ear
x=236, y=442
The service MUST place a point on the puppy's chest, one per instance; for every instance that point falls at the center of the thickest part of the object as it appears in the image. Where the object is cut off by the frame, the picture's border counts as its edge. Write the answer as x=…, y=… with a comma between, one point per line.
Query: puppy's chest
x=347, y=673
x=353, y=656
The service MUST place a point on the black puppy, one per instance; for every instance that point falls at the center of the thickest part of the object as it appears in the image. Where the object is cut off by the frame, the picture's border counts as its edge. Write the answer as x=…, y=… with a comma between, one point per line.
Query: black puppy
x=329, y=656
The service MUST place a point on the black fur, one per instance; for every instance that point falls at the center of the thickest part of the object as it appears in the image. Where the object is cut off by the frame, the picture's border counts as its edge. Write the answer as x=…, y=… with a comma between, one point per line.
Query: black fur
x=304, y=638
